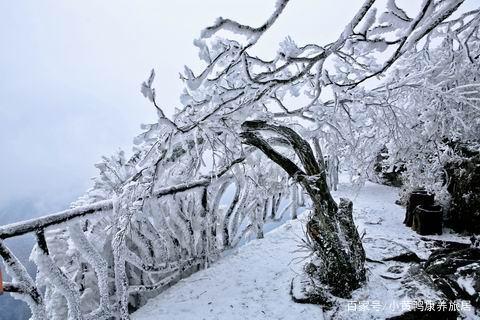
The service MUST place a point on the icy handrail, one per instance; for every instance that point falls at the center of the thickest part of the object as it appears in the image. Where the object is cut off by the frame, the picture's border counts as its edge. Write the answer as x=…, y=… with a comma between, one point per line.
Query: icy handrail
x=24, y=287
x=32, y=225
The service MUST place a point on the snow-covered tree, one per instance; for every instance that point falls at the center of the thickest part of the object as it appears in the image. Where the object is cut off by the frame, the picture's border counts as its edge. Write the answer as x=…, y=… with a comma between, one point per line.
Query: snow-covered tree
x=434, y=91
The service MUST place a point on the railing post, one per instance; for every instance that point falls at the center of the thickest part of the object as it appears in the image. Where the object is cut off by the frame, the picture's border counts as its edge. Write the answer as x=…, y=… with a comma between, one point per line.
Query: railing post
x=26, y=285
x=1, y=282
x=42, y=242
x=294, y=196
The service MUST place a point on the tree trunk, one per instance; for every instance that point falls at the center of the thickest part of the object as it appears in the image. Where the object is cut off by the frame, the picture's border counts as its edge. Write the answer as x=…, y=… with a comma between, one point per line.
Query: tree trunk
x=337, y=265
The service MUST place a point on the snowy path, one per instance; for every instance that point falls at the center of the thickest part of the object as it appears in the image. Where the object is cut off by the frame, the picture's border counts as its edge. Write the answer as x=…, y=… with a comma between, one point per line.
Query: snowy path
x=254, y=282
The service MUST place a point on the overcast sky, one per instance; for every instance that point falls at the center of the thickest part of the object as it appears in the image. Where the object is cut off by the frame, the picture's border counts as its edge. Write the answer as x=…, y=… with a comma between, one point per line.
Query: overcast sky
x=70, y=73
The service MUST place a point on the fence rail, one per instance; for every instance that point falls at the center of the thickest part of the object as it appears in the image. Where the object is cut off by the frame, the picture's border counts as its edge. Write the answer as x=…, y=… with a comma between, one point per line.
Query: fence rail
x=236, y=221
x=32, y=225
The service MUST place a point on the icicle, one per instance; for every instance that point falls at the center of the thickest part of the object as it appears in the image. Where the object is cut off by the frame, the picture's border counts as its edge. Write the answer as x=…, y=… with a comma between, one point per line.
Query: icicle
x=95, y=259
x=118, y=246
x=62, y=284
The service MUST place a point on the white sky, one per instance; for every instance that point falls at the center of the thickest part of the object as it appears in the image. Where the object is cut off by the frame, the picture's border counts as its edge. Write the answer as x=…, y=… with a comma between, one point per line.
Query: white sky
x=70, y=73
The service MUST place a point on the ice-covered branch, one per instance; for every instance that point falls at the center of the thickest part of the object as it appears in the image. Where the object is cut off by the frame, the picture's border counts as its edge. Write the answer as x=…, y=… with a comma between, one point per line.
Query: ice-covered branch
x=252, y=33
x=23, y=227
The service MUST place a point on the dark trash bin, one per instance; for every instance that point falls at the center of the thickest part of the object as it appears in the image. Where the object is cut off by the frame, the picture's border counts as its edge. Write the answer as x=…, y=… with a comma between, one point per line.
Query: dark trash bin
x=417, y=197
x=427, y=219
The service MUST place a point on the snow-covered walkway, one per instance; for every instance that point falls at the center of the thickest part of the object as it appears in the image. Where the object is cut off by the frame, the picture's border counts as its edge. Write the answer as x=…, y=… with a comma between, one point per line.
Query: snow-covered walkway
x=254, y=282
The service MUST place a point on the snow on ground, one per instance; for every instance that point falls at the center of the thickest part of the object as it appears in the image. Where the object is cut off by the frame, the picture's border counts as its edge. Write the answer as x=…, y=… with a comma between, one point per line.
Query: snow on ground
x=254, y=281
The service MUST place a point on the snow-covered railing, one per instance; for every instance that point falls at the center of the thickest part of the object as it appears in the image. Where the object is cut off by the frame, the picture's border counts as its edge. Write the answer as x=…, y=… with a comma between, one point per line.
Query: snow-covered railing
x=23, y=286
x=110, y=277
x=28, y=226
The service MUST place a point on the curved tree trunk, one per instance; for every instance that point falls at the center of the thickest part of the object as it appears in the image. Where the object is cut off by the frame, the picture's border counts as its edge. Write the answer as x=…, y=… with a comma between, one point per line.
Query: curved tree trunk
x=337, y=266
